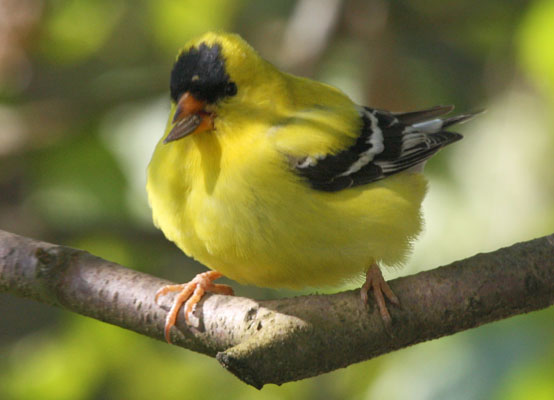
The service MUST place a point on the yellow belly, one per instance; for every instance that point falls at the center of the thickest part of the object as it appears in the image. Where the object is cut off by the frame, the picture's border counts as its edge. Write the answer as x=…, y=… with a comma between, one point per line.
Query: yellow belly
x=272, y=230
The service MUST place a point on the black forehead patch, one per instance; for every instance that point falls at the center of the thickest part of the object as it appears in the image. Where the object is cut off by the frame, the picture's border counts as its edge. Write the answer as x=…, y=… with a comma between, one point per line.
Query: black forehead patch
x=201, y=71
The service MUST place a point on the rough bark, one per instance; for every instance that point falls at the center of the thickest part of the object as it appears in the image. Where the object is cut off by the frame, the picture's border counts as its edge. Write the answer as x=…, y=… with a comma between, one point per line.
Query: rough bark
x=283, y=340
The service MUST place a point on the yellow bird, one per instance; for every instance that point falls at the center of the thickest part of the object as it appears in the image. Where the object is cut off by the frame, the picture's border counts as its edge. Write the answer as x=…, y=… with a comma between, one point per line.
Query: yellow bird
x=279, y=181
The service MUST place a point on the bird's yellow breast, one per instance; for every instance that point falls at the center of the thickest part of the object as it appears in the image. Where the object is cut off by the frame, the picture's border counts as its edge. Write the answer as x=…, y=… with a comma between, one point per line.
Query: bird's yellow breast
x=229, y=199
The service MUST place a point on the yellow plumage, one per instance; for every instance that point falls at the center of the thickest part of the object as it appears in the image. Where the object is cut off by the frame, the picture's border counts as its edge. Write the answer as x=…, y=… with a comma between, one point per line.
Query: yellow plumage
x=228, y=197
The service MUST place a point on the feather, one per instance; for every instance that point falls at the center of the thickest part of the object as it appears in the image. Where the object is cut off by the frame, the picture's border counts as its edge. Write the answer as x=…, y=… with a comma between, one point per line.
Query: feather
x=388, y=143
x=414, y=117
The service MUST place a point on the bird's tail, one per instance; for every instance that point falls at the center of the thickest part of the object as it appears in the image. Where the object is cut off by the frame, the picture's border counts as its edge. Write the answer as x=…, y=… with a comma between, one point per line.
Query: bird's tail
x=426, y=121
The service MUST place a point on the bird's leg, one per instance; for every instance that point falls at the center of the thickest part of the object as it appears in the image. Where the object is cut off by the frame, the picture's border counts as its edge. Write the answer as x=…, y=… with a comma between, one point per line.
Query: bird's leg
x=190, y=294
x=374, y=281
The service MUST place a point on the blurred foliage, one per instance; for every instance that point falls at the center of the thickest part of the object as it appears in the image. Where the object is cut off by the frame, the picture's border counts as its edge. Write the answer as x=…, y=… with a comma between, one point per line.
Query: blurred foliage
x=75, y=30
x=174, y=20
x=83, y=99
x=535, y=46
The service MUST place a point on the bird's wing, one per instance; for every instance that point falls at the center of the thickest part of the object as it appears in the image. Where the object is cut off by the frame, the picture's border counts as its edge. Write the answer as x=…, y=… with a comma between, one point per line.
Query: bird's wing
x=387, y=143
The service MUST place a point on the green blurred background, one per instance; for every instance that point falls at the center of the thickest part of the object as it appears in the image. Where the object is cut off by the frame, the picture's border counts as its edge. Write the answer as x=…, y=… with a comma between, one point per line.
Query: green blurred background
x=84, y=97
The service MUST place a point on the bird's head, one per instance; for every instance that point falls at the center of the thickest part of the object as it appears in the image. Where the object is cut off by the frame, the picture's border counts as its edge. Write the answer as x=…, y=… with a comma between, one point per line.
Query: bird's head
x=209, y=73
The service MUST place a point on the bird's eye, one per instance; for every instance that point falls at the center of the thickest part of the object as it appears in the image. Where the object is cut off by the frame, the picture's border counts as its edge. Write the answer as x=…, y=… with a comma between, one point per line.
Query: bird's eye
x=231, y=89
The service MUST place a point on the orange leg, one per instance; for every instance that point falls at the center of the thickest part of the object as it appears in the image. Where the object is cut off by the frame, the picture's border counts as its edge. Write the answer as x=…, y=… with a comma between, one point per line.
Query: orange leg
x=374, y=280
x=190, y=294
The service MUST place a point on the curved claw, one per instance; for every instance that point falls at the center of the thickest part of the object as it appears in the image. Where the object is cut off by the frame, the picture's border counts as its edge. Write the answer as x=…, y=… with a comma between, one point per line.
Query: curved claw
x=376, y=282
x=190, y=294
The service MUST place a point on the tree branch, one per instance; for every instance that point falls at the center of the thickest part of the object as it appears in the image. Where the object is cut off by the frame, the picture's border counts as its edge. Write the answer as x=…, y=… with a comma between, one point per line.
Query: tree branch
x=278, y=341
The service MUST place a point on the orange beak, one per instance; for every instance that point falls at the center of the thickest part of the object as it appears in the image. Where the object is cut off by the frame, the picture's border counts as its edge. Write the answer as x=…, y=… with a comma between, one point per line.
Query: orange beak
x=190, y=117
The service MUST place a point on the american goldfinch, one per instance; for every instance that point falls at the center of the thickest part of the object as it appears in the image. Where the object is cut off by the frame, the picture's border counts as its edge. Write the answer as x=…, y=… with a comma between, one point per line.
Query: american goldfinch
x=279, y=181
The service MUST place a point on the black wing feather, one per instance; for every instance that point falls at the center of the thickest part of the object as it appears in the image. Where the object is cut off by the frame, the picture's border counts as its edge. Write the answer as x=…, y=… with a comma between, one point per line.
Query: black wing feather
x=388, y=143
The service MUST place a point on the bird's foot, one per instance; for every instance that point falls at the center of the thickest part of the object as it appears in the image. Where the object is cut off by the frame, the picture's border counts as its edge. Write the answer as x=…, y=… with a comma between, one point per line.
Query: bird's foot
x=374, y=280
x=190, y=294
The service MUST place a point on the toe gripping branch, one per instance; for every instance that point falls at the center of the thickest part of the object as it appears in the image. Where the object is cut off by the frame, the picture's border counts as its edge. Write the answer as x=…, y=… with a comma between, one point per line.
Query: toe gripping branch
x=188, y=296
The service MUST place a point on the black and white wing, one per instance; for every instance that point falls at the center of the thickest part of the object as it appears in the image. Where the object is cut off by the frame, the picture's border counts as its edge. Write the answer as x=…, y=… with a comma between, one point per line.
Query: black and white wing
x=388, y=143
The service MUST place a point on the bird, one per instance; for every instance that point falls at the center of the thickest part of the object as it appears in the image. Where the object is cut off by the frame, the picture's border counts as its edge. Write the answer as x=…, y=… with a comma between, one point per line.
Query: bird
x=279, y=181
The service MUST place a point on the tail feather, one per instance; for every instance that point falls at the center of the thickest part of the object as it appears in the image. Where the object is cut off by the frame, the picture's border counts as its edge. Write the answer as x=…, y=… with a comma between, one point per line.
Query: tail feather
x=460, y=119
x=413, y=117
x=438, y=124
